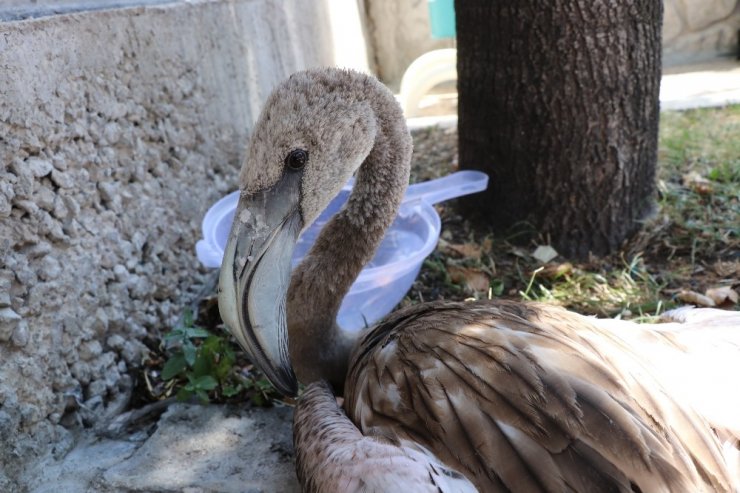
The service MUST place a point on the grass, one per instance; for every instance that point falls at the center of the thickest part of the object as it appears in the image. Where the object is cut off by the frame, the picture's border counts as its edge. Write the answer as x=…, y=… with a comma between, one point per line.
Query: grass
x=692, y=243
x=699, y=180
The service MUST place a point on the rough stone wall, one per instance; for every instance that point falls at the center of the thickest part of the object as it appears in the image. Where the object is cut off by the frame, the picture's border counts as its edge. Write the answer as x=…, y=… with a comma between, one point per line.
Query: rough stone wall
x=117, y=130
x=693, y=30
x=697, y=30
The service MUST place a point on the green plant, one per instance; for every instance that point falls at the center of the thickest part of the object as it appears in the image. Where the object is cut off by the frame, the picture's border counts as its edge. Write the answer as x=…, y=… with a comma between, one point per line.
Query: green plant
x=202, y=360
x=204, y=365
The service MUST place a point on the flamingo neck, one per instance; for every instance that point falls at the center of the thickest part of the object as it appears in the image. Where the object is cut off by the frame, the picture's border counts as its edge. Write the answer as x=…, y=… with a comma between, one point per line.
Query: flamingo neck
x=319, y=349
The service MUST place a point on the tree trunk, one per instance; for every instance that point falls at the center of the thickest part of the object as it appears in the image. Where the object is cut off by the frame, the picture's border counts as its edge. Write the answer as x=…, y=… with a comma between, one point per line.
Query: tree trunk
x=558, y=103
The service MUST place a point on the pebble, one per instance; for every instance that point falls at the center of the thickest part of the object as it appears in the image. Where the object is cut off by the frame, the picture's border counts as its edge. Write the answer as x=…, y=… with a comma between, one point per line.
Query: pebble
x=50, y=268
x=8, y=322
x=90, y=350
x=20, y=334
x=63, y=179
x=44, y=197
x=4, y=292
x=39, y=167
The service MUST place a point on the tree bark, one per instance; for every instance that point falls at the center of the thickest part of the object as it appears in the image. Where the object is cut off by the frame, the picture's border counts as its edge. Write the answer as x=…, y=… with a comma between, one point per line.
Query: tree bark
x=558, y=103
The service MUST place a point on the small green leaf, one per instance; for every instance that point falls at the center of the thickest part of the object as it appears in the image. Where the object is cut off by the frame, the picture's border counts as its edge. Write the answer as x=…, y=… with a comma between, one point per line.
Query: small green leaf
x=195, y=332
x=258, y=399
x=203, y=365
x=223, y=368
x=231, y=390
x=187, y=318
x=211, y=344
x=183, y=394
x=202, y=397
x=174, y=366
x=497, y=287
x=189, y=352
x=206, y=382
x=174, y=335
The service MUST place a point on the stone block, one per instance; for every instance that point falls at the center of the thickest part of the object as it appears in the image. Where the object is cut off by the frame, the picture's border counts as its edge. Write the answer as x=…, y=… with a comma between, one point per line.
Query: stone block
x=700, y=14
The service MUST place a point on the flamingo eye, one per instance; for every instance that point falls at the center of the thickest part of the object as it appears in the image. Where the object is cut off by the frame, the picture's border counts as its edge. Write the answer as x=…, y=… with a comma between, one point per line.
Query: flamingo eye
x=296, y=159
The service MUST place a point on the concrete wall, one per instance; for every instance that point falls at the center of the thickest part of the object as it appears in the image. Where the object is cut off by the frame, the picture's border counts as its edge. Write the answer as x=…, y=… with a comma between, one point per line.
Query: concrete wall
x=699, y=30
x=117, y=130
x=399, y=32
x=693, y=30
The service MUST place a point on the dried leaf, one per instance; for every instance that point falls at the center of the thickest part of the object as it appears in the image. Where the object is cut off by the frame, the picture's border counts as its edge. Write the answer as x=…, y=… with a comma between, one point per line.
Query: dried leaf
x=468, y=250
x=474, y=279
x=487, y=245
x=722, y=295
x=697, y=183
x=695, y=298
x=726, y=269
x=545, y=253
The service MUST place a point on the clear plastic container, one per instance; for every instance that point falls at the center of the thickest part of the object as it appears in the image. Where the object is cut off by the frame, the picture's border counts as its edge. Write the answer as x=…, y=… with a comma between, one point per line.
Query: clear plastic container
x=386, y=279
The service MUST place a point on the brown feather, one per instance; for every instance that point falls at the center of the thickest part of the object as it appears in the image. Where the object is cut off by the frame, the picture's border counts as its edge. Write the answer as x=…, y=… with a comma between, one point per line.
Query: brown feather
x=528, y=397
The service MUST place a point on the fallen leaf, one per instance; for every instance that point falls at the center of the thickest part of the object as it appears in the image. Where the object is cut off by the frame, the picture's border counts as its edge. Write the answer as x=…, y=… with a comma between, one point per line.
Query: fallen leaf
x=468, y=250
x=722, y=295
x=545, y=253
x=695, y=298
x=697, y=183
x=487, y=245
x=474, y=279
x=726, y=269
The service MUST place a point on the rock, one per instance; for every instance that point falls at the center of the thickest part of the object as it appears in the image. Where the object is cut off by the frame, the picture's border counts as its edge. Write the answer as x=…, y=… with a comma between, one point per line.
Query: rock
x=132, y=351
x=63, y=179
x=100, y=322
x=72, y=206
x=233, y=450
x=8, y=322
x=39, y=167
x=4, y=291
x=59, y=209
x=111, y=377
x=50, y=268
x=60, y=163
x=8, y=425
x=5, y=206
x=64, y=444
x=90, y=350
x=30, y=414
x=20, y=334
x=109, y=191
x=116, y=342
x=29, y=206
x=44, y=197
x=96, y=389
x=23, y=178
x=112, y=133
x=139, y=287
x=101, y=364
x=120, y=272
x=76, y=467
x=81, y=371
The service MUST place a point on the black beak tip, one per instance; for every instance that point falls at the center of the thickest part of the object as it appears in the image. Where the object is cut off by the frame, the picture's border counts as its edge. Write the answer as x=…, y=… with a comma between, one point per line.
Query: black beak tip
x=286, y=382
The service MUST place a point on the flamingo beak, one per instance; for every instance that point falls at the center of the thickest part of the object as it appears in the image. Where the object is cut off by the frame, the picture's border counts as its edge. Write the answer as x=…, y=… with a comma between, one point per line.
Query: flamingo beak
x=255, y=274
